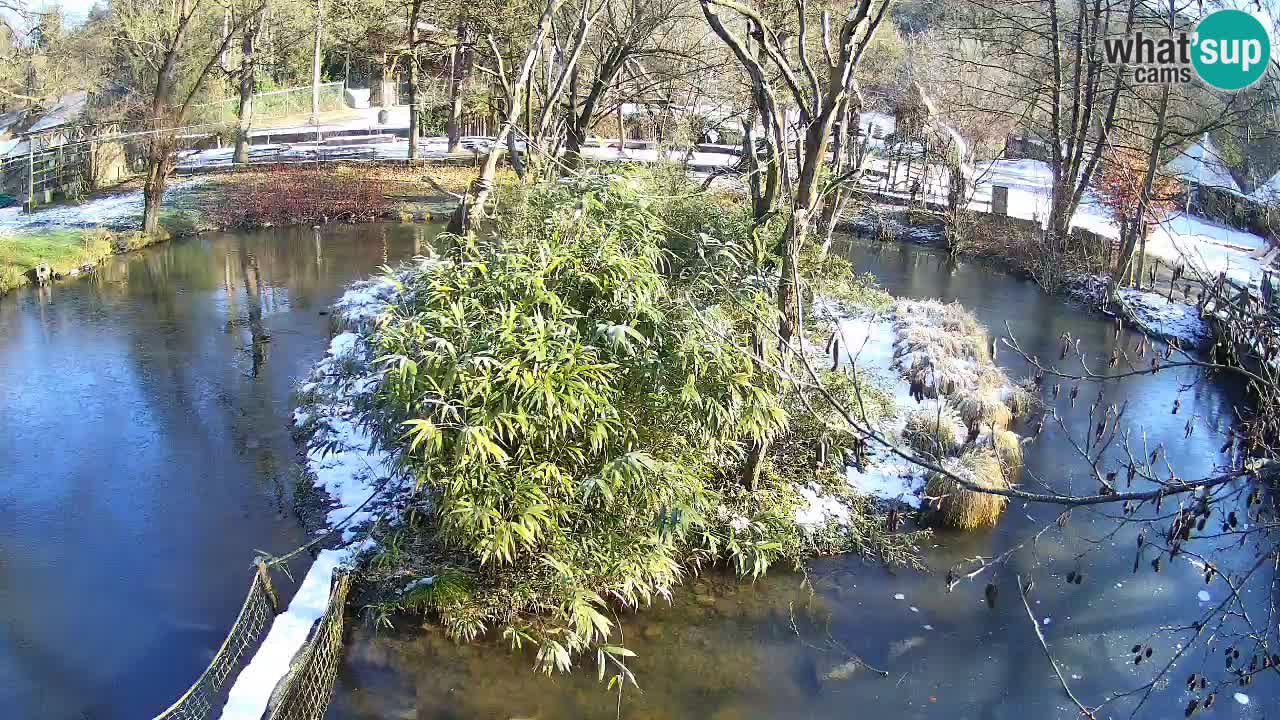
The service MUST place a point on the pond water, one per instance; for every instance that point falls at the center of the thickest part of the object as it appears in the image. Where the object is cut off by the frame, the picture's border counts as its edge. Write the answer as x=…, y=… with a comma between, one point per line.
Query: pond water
x=146, y=453
x=780, y=648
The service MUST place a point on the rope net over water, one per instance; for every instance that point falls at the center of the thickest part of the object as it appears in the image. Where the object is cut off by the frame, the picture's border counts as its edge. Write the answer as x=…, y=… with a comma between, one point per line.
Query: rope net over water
x=304, y=692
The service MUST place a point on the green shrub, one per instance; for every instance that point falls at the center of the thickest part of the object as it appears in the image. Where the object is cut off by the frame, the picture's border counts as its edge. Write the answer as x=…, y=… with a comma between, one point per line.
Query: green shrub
x=574, y=418
x=574, y=396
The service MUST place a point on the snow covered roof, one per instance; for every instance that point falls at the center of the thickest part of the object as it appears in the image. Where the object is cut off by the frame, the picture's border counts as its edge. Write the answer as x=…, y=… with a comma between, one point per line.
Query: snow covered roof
x=1202, y=164
x=67, y=109
x=9, y=120
x=1267, y=192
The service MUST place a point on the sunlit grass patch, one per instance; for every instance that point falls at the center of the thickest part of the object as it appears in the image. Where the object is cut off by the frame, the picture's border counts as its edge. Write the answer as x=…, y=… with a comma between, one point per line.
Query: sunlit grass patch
x=62, y=249
x=960, y=508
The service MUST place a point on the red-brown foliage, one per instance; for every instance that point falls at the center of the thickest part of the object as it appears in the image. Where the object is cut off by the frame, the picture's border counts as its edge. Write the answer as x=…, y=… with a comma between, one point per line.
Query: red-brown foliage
x=1119, y=183
x=291, y=195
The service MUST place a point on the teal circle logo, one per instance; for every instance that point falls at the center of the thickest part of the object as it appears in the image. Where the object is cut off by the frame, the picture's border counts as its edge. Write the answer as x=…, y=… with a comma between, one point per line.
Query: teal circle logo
x=1232, y=49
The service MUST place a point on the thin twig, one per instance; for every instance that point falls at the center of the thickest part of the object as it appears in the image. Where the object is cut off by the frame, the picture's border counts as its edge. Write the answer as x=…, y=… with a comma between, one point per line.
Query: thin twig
x=1035, y=625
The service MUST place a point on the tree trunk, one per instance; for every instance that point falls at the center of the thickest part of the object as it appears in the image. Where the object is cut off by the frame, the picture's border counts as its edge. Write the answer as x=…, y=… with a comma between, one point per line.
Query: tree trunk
x=755, y=463
x=1141, y=253
x=315, y=64
x=622, y=131
x=580, y=117
x=770, y=170
x=459, y=60
x=415, y=130
x=957, y=186
x=574, y=137
x=752, y=161
x=517, y=158
x=788, y=291
x=162, y=143
x=472, y=203
x=386, y=95
x=1138, y=227
x=848, y=116
x=159, y=161
x=248, y=71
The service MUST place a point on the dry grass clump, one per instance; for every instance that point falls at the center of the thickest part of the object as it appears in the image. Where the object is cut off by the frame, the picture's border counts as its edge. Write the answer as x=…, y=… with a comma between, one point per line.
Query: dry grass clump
x=941, y=348
x=984, y=409
x=935, y=431
x=944, y=353
x=1022, y=398
x=953, y=320
x=1007, y=447
x=959, y=508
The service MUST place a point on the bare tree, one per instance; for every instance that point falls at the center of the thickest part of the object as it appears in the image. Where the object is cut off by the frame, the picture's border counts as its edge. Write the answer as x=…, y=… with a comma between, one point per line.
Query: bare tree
x=160, y=37
x=247, y=82
x=315, y=63
x=630, y=30
x=415, y=121
x=819, y=103
x=472, y=204
x=460, y=61
x=1056, y=79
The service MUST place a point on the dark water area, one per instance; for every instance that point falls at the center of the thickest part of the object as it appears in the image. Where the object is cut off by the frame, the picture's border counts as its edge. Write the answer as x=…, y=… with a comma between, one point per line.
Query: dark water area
x=145, y=454
x=782, y=647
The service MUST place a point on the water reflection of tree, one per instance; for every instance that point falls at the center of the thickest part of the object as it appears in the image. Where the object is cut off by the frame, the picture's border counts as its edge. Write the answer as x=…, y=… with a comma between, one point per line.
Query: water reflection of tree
x=258, y=335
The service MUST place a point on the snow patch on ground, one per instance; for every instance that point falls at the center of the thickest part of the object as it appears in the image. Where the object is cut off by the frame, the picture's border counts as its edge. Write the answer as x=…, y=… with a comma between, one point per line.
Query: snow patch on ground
x=341, y=453
x=820, y=510
x=1157, y=316
x=877, y=347
x=868, y=346
x=347, y=465
x=1152, y=312
x=1180, y=239
x=891, y=480
x=866, y=343
x=925, y=340
x=119, y=211
x=1209, y=248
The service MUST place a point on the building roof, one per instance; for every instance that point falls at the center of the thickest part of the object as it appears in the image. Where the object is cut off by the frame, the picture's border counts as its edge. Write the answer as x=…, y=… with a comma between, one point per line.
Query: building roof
x=1268, y=192
x=1202, y=164
x=67, y=109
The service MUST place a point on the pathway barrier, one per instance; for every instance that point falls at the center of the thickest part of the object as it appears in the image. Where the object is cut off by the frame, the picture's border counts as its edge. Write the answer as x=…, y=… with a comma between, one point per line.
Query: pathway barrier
x=304, y=693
